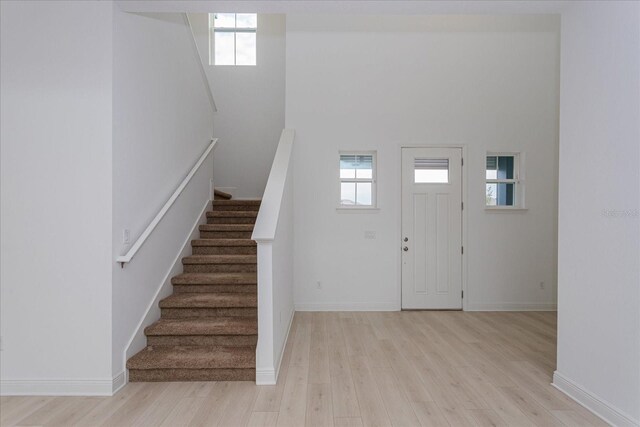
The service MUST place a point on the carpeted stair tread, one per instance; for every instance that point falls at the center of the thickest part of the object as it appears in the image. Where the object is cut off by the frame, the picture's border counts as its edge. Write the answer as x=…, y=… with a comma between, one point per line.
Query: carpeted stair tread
x=163, y=375
x=218, y=194
x=223, y=242
x=194, y=357
x=226, y=227
x=220, y=259
x=210, y=300
x=215, y=279
x=204, y=326
x=237, y=202
x=237, y=214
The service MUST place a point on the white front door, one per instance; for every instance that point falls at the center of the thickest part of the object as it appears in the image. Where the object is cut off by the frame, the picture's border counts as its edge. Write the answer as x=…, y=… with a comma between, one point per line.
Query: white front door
x=431, y=228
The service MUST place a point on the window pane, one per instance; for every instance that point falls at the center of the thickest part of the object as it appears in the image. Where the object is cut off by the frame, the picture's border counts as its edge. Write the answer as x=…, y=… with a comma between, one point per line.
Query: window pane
x=363, y=194
x=348, y=193
x=364, y=173
x=224, y=44
x=246, y=20
x=500, y=194
x=224, y=20
x=347, y=173
x=491, y=195
x=492, y=167
x=505, y=167
x=431, y=171
x=245, y=48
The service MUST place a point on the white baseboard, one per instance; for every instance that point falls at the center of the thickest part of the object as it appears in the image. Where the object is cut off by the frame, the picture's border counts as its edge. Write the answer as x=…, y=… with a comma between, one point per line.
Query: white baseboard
x=511, y=306
x=62, y=387
x=270, y=376
x=596, y=405
x=119, y=381
x=138, y=340
x=353, y=306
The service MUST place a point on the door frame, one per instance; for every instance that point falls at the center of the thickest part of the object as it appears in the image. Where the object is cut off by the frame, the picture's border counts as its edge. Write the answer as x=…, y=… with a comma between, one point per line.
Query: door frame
x=463, y=183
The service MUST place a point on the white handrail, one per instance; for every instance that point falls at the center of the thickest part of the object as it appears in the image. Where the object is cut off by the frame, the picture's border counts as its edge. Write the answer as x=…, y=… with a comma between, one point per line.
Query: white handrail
x=267, y=220
x=123, y=259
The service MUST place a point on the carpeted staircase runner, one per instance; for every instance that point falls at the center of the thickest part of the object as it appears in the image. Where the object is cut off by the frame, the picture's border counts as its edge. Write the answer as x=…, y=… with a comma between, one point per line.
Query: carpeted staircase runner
x=208, y=327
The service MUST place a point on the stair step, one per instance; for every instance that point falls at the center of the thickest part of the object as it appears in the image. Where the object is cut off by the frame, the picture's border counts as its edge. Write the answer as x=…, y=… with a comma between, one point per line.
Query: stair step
x=164, y=375
x=203, y=305
x=219, y=259
x=224, y=247
x=207, y=326
x=215, y=279
x=204, y=340
x=234, y=214
x=226, y=227
x=206, y=300
x=217, y=194
x=226, y=231
x=236, y=205
x=215, y=282
x=194, y=357
x=231, y=217
x=219, y=263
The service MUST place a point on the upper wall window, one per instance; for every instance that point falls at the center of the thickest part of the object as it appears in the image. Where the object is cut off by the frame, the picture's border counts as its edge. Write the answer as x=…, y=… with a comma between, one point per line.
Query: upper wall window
x=504, y=188
x=357, y=180
x=232, y=38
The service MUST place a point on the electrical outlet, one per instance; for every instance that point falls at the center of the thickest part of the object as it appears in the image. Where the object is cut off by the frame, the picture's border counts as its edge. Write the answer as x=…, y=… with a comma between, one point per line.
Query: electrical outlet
x=318, y=284
x=541, y=285
x=369, y=234
x=126, y=237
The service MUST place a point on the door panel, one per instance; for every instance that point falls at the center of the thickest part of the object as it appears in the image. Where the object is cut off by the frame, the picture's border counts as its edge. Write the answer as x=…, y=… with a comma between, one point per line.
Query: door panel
x=431, y=228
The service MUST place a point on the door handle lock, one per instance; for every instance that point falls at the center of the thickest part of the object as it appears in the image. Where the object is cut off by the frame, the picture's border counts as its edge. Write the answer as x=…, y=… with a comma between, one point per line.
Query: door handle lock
x=406, y=239
x=405, y=249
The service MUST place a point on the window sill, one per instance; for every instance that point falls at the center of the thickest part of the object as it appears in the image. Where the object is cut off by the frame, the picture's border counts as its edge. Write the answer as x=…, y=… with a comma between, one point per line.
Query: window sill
x=357, y=210
x=505, y=209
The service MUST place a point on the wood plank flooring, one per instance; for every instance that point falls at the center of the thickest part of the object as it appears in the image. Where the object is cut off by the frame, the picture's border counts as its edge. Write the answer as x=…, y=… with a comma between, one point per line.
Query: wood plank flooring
x=412, y=368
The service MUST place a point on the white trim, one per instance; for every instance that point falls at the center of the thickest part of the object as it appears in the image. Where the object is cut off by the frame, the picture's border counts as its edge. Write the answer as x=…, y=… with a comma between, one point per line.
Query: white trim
x=358, y=210
x=512, y=306
x=165, y=284
x=505, y=209
x=349, y=306
x=599, y=407
x=119, y=381
x=156, y=220
x=268, y=376
x=62, y=387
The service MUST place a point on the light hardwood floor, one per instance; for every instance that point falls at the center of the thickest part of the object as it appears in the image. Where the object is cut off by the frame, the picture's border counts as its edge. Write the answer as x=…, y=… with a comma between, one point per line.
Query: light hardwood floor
x=358, y=369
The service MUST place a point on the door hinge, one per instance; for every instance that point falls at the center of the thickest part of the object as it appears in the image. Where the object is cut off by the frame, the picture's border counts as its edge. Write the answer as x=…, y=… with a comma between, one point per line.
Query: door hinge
x=462, y=205
x=462, y=250
x=461, y=162
x=462, y=296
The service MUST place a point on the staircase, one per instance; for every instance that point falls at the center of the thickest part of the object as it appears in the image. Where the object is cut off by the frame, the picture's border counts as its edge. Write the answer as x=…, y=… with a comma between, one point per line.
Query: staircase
x=208, y=327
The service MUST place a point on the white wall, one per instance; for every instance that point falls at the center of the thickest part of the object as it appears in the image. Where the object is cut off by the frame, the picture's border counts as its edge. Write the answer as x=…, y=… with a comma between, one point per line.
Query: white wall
x=376, y=83
x=162, y=124
x=250, y=103
x=599, y=230
x=56, y=197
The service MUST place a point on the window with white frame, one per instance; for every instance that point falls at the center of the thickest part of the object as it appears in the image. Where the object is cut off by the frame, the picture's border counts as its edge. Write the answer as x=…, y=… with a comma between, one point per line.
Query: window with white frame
x=504, y=188
x=232, y=38
x=358, y=180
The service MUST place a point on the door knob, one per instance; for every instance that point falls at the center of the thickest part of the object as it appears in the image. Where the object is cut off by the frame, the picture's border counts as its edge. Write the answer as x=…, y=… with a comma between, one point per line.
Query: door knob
x=405, y=249
x=406, y=239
